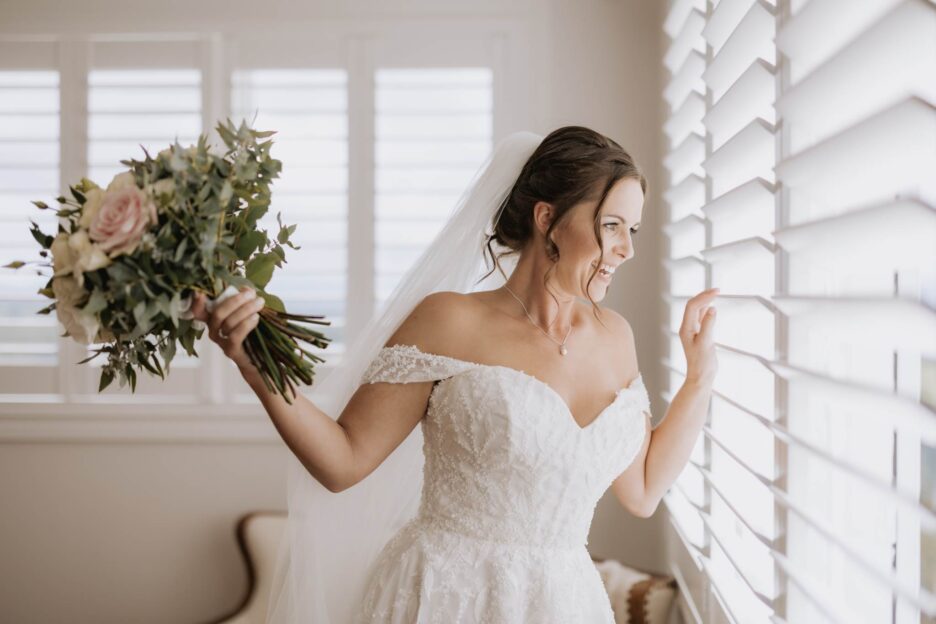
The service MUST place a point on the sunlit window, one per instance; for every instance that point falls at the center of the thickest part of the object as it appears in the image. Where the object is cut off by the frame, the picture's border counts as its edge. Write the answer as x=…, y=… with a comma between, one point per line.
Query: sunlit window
x=433, y=131
x=802, y=141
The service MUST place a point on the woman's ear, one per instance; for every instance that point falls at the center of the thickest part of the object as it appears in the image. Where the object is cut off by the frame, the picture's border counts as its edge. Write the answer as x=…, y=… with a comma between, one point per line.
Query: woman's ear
x=542, y=216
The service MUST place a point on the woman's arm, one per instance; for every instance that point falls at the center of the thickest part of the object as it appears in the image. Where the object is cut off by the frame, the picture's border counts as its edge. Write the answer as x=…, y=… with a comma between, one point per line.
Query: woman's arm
x=320, y=443
x=667, y=448
x=377, y=418
x=672, y=441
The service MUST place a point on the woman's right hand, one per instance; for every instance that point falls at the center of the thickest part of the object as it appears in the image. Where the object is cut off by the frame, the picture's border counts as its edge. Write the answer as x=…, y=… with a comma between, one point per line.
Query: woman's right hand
x=235, y=317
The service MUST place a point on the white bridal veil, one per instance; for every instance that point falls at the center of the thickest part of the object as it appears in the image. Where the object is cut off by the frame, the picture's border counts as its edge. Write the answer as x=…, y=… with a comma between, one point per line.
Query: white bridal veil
x=332, y=540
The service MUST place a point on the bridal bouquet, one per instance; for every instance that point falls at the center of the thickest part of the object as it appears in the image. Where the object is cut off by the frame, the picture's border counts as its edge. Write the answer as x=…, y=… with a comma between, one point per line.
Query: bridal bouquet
x=127, y=259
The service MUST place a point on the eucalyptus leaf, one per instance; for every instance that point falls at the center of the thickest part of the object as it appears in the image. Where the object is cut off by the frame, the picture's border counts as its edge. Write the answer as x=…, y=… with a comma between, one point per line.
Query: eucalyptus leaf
x=259, y=269
x=249, y=243
x=107, y=376
x=96, y=302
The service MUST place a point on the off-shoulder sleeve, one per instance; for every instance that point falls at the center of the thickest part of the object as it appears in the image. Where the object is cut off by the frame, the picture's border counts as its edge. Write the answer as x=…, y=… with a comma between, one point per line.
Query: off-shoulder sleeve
x=406, y=364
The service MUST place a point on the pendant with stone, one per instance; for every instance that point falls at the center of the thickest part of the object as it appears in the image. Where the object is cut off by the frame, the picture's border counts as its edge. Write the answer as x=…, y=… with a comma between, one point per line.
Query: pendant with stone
x=563, y=350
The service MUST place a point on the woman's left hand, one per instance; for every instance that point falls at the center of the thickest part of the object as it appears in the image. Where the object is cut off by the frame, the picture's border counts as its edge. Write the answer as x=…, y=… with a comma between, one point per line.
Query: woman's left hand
x=698, y=338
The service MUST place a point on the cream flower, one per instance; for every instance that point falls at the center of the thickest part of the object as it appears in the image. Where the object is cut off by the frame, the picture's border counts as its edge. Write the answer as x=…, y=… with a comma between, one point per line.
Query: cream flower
x=63, y=258
x=82, y=327
x=90, y=256
x=166, y=186
x=94, y=197
x=122, y=180
x=76, y=254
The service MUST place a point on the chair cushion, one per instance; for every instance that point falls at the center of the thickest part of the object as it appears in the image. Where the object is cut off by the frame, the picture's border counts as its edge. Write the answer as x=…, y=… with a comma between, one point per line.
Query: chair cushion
x=637, y=597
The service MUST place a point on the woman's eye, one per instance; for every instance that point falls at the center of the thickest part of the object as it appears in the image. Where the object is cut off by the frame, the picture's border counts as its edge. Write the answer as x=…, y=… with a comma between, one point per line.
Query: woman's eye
x=613, y=226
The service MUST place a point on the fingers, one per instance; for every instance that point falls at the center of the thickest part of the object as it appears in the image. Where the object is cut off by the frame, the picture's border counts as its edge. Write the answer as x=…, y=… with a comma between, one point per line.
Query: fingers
x=695, y=309
x=227, y=306
x=198, y=307
x=707, y=326
x=243, y=328
x=244, y=311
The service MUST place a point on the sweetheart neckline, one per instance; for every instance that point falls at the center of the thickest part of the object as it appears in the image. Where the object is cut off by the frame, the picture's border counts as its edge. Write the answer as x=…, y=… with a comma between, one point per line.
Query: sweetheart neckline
x=632, y=385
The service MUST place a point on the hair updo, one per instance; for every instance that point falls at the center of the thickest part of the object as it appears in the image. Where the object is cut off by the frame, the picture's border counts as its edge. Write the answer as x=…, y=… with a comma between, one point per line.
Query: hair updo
x=571, y=165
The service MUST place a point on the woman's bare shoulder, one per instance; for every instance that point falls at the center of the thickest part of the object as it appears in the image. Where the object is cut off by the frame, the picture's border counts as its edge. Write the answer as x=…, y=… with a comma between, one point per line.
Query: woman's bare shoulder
x=438, y=323
x=621, y=336
x=616, y=323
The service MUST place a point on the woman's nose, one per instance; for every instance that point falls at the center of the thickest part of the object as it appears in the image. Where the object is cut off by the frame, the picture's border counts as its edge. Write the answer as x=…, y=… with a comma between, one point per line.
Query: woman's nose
x=625, y=250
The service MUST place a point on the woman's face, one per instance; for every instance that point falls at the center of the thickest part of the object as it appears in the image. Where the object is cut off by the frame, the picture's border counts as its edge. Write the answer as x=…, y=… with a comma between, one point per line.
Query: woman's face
x=578, y=250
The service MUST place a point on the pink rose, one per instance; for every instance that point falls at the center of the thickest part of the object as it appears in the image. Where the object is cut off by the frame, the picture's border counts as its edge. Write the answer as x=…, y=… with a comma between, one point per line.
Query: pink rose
x=124, y=215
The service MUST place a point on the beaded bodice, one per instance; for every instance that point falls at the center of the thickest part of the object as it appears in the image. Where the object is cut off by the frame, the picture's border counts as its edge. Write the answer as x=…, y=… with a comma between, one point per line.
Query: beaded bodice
x=505, y=459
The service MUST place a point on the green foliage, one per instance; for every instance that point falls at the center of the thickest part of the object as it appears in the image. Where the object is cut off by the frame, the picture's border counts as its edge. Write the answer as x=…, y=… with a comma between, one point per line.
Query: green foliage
x=208, y=205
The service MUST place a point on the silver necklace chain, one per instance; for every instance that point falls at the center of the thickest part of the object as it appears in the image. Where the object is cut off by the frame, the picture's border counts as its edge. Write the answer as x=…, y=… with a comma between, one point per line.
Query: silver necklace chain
x=562, y=348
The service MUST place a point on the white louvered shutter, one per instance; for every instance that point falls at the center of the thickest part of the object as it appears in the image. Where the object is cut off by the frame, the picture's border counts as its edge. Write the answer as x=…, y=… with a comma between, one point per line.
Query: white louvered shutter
x=433, y=130
x=141, y=95
x=308, y=108
x=29, y=170
x=802, y=151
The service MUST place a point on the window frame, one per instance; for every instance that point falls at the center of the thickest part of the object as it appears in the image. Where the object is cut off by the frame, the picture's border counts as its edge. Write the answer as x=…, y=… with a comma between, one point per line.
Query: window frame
x=223, y=409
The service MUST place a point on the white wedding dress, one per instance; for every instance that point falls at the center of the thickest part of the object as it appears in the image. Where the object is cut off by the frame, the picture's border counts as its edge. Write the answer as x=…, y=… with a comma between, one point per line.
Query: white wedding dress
x=510, y=486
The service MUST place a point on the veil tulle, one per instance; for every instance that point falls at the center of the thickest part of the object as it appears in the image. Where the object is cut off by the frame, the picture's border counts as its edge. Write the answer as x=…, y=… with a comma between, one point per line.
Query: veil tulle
x=332, y=540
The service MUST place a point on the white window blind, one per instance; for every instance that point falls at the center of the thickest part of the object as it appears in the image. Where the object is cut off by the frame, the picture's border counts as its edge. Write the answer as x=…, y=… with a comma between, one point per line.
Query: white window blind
x=29, y=171
x=433, y=131
x=308, y=108
x=132, y=109
x=146, y=95
x=802, y=146
x=410, y=129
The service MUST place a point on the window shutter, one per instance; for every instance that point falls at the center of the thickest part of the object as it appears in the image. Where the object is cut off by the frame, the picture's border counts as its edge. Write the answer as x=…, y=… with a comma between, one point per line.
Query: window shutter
x=433, y=131
x=140, y=95
x=802, y=141
x=345, y=105
x=29, y=170
x=308, y=108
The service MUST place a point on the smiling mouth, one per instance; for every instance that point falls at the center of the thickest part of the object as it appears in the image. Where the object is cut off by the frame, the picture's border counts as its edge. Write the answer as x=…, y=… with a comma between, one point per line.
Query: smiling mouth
x=606, y=275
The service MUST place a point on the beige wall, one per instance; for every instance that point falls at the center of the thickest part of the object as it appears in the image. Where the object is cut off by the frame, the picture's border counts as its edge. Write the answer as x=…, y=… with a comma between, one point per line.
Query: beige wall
x=113, y=532
x=144, y=531
x=606, y=73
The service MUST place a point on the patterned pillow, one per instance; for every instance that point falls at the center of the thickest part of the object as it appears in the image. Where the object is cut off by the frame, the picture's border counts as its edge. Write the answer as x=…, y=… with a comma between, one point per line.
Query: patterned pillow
x=637, y=597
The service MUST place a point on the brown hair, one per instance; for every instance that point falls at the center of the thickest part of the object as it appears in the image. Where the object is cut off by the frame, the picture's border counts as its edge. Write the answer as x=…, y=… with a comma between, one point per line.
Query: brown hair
x=572, y=164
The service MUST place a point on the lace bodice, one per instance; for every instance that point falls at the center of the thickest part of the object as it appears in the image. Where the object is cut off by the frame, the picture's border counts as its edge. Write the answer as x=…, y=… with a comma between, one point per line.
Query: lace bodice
x=510, y=486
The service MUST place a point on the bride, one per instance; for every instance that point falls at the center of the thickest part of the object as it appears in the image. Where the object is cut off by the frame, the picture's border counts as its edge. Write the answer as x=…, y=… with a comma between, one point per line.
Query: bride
x=529, y=401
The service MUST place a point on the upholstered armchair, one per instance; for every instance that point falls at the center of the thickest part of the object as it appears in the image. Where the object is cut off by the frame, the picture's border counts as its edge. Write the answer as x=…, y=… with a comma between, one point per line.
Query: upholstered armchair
x=637, y=597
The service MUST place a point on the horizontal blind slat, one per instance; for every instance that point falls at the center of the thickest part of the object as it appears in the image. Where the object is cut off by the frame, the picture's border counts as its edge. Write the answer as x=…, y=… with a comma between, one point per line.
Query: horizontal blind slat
x=903, y=139
x=893, y=60
x=750, y=97
x=687, y=40
x=752, y=39
x=685, y=197
x=823, y=26
x=679, y=13
x=686, y=120
x=684, y=160
x=687, y=79
x=744, y=154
